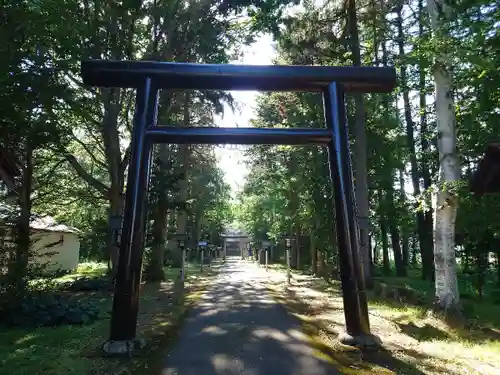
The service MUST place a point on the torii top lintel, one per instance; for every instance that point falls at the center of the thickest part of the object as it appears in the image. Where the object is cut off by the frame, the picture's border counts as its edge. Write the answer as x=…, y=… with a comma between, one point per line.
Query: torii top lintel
x=170, y=75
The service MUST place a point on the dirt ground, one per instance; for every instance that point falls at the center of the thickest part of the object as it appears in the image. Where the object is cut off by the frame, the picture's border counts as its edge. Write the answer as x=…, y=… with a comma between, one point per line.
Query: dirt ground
x=413, y=342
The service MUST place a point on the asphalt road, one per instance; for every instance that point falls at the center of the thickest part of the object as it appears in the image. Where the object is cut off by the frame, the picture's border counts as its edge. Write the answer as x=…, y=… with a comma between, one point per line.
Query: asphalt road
x=238, y=329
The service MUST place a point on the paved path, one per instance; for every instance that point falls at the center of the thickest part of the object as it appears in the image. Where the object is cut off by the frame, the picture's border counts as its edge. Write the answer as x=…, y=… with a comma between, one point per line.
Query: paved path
x=238, y=329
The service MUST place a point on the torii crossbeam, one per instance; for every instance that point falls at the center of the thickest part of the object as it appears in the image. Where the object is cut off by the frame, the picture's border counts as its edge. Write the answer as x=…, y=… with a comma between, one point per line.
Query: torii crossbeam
x=148, y=77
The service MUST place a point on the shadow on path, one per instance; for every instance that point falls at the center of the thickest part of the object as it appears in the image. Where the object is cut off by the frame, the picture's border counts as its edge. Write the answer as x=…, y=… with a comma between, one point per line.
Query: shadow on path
x=238, y=329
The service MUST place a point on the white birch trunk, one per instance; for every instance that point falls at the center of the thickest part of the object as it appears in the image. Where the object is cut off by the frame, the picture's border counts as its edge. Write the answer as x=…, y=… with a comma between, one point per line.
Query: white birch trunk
x=446, y=294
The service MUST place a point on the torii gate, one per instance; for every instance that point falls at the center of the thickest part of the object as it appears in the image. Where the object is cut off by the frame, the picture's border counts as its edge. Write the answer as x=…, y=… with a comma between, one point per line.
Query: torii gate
x=239, y=237
x=148, y=77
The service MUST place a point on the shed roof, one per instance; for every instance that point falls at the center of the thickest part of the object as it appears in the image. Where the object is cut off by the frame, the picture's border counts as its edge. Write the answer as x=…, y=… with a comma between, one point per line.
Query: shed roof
x=49, y=224
x=39, y=223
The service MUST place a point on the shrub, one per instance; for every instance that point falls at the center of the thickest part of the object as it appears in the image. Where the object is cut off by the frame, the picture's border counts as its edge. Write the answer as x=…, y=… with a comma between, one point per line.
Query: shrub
x=47, y=309
x=495, y=296
x=88, y=284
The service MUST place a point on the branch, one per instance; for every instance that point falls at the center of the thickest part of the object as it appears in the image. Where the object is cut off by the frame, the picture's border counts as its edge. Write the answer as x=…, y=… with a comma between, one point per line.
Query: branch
x=78, y=108
x=45, y=176
x=91, y=154
x=96, y=184
x=92, y=122
x=79, y=83
x=98, y=142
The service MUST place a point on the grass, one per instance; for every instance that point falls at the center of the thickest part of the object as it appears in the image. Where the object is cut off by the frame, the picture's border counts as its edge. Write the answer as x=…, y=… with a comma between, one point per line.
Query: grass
x=347, y=360
x=415, y=342
x=90, y=269
x=483, y=311
x=75, y=350
x=476, y=341
x=84, y=270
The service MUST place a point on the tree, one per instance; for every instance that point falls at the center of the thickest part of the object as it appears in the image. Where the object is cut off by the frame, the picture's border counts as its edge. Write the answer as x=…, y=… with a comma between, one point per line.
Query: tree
x=361, y=182
x=32, y=97
x=447, y=296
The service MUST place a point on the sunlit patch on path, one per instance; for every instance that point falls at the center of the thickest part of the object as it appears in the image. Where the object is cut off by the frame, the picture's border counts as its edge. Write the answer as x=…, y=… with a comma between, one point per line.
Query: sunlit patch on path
x=238, y=328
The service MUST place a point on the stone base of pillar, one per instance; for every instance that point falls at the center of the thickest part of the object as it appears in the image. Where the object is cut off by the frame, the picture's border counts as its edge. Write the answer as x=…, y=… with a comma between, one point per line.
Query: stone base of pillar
x=362, y=342
x=123, y=347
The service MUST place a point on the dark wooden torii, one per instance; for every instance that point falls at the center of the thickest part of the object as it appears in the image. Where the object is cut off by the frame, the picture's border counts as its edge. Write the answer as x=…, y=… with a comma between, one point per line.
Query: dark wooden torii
x=148, y=77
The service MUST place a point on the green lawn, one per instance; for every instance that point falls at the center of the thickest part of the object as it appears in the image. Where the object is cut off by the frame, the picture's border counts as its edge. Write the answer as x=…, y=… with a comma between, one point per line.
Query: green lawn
x=484, y=311
x=415, y=342
x=75, y=349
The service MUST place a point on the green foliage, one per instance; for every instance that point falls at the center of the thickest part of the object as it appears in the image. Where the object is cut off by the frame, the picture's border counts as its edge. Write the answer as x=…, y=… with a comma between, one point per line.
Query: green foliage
x=73, y=142
x=49, y=310
x=89, y=284
x=76, y=138
x=287, y=189
x=51, y=301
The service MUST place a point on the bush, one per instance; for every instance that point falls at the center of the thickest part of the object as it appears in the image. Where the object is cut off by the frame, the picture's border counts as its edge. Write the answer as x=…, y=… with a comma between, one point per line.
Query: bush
x=48, y=310
x=470, y=296
x=495, y=296
x=468, y=308
x=88, y=284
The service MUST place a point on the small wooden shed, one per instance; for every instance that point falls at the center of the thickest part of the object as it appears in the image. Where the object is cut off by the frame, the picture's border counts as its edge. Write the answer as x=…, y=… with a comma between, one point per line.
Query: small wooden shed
x=56, y=246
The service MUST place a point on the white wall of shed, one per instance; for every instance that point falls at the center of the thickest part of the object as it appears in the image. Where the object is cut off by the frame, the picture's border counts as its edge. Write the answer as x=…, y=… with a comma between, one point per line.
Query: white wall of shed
x=63, y=256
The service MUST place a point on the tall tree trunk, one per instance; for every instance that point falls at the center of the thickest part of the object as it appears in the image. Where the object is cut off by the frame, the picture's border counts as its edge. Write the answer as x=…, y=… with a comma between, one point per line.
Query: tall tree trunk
x=18, y=266
x=396, y=250
x=182, y=216
x=386, y=266
x=154, y=268
x=410, y=140
x=318, y=199
x=426, y=219
x=116, y=203
x=414, y=250
x=389, y=220
x=361, y=172
x=171, y=251
x=376, y=255
x=498, y=266
x=160, y=229
x=404, y=232
x=372, y=264
x=394, y=232
x=321, y=264
x=293, y=204
x=116, y=165
x=198, y=221
x=183, y=184
x=447, y=296
x=111, y=142
x=296, y=216
x=482, y=265
x=297, y=243
x=313, y=251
